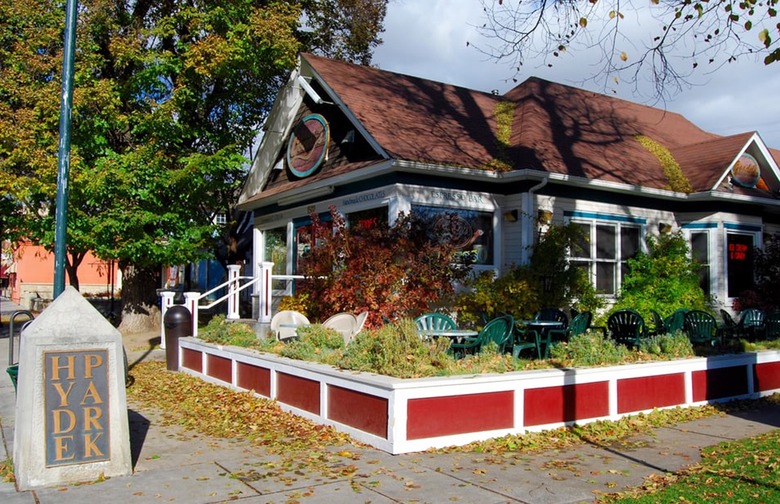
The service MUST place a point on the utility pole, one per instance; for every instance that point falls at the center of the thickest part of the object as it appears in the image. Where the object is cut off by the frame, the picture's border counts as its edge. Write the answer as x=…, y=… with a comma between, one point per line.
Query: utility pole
x=63, y=164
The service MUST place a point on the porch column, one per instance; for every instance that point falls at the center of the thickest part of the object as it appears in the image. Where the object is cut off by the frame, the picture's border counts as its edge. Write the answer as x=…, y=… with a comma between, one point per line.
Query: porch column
x=167, y=302
x=265, y=291
x=232, y=308
x=191, y=300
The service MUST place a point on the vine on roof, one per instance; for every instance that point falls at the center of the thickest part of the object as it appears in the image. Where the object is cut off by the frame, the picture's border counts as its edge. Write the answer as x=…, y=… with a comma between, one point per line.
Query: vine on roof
x=505, y=114
x=677, y=180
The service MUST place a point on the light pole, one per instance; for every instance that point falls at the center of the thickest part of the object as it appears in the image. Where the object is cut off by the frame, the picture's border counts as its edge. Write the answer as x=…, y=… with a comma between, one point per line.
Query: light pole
x=63, y=164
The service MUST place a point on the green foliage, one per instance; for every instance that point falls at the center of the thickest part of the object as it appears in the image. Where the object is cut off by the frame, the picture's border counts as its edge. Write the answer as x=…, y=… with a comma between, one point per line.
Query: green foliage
x=167, y=98
x=390, y=271
x=300, y=303
x=395, y=350
x=589, y=349
x=315, y=343
x=548, y=280
x=222, y=332
x=663, y=279
x=667, y=346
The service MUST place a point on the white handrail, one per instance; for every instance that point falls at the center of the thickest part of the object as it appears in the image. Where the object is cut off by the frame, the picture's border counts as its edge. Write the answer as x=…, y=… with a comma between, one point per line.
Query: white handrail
x=263, y=283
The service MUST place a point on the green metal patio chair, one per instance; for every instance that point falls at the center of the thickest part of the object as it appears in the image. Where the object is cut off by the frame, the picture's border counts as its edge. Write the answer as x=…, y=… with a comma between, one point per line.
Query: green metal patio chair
x=772, y=325
x=434, y=322
x=675, y=321
x=626, y=327
x=579, y=324
x=701, y=328
x=498, y=330
x=659, y=326
x=751, y=323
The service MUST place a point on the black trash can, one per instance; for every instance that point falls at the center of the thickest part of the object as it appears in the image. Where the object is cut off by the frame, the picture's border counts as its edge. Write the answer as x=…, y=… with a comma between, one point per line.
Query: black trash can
x=178, y=324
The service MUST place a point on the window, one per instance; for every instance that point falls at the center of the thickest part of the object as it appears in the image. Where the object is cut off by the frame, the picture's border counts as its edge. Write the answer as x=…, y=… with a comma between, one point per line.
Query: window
x=469, y=230
x=739, y=263
x=275, y=250
x=700, y=252
x=604, y=252
x=366, y=219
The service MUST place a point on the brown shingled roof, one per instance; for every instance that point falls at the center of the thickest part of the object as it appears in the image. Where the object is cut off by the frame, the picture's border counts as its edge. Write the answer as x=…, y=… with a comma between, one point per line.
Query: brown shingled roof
x=556, y=128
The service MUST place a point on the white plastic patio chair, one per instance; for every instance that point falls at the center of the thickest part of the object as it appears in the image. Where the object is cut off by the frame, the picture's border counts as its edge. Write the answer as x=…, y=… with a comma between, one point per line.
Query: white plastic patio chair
x=343, y=322
x=284, y=324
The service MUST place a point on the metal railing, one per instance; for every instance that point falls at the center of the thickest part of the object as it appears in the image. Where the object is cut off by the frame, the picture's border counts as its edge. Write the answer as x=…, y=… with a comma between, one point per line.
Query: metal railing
x=263, y=284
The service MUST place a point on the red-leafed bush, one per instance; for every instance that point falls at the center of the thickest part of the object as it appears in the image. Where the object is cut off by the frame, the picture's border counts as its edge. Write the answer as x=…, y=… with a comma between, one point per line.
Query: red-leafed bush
x=390, y=271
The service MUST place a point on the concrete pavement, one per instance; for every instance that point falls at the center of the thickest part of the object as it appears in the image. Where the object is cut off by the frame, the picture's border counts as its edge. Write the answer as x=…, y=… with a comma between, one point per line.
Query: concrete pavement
x=172, y=464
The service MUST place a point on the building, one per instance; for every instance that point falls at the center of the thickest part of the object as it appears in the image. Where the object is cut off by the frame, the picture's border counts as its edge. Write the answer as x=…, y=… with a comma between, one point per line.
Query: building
x=374, y=143
x=30, y=270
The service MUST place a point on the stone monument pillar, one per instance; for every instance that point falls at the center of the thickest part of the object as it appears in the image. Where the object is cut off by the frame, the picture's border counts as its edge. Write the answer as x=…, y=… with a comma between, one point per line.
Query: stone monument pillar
x=71, y=409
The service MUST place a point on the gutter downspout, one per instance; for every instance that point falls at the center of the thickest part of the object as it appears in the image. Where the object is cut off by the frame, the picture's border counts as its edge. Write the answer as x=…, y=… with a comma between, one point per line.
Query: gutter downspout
x=527, y=232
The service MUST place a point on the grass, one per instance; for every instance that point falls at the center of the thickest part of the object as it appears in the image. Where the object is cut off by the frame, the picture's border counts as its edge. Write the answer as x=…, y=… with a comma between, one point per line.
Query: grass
x=747, y=470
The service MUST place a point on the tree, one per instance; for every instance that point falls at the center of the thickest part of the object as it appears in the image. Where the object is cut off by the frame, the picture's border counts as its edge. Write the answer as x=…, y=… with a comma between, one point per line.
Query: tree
x=672, y=40
x=167, y=98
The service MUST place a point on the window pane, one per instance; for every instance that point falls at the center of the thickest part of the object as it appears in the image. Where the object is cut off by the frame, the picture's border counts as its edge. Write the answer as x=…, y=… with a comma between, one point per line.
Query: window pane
x=276, y=249
x=605, y=242
x=469, y=231
x=699, y=248
x=605, y=277
x=583, y=244
x=629, y=242
x=739, y=263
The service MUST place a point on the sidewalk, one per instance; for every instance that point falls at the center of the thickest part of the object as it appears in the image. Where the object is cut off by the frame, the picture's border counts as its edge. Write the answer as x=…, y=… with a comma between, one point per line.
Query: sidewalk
x=172, y=464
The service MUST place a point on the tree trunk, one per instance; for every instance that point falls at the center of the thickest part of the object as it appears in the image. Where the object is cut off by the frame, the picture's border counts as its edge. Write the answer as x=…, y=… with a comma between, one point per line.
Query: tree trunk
x=139, y=299
x=72, y=263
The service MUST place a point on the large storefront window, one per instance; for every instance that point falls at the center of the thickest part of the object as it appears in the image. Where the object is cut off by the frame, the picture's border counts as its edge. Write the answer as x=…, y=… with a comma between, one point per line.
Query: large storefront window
x=470, y=231
x=739, y=263
x=604, y=252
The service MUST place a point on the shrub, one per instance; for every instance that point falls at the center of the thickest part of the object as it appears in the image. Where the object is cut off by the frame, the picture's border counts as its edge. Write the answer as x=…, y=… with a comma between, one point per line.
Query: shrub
x=549, y=280
x=589, y=349
x=663, y=279
x=396, y=349
x=222, y=332
x=315, y=343
x=668, y=346
x=390, y=271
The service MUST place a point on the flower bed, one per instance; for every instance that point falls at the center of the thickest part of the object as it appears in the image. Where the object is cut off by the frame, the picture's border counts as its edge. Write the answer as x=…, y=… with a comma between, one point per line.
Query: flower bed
x=407, y=415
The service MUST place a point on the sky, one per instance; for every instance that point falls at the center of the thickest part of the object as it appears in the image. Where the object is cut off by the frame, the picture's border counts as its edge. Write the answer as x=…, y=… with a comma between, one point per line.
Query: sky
x=428, y=38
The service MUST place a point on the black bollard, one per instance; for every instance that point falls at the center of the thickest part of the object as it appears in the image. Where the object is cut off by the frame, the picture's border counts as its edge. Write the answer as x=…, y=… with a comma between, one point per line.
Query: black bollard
x=178, y=324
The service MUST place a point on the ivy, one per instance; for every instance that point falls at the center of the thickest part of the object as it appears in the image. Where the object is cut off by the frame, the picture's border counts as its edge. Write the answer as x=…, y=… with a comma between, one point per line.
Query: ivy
x=505, y=114
x=677, y=180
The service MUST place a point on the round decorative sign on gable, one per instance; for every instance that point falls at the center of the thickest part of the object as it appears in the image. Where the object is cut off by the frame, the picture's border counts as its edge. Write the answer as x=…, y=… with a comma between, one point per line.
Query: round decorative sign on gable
x=308, y=145
x=745, y=171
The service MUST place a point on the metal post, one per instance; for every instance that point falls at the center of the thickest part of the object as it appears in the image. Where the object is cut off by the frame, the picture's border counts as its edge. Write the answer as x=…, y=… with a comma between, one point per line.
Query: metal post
x=63, y=167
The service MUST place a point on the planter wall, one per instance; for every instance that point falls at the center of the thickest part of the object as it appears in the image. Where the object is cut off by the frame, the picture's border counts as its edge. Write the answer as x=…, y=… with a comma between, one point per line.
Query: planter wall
x=400, y=416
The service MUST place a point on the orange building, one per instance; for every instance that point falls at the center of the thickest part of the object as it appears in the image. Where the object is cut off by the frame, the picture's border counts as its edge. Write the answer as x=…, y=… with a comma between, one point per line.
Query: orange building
x=31, y=276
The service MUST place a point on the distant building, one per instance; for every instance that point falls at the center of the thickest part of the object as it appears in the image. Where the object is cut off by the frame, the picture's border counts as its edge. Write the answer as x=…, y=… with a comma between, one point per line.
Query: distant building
x=31, y=275
x=375, y=143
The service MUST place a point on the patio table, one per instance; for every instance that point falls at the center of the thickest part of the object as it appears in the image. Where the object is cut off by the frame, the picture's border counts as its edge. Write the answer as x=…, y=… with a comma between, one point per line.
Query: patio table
x=542, y=328
x=457, y=335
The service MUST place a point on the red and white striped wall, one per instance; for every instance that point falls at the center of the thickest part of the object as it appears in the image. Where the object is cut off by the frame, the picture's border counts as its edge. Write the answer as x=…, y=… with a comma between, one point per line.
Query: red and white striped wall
x=400, y=416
